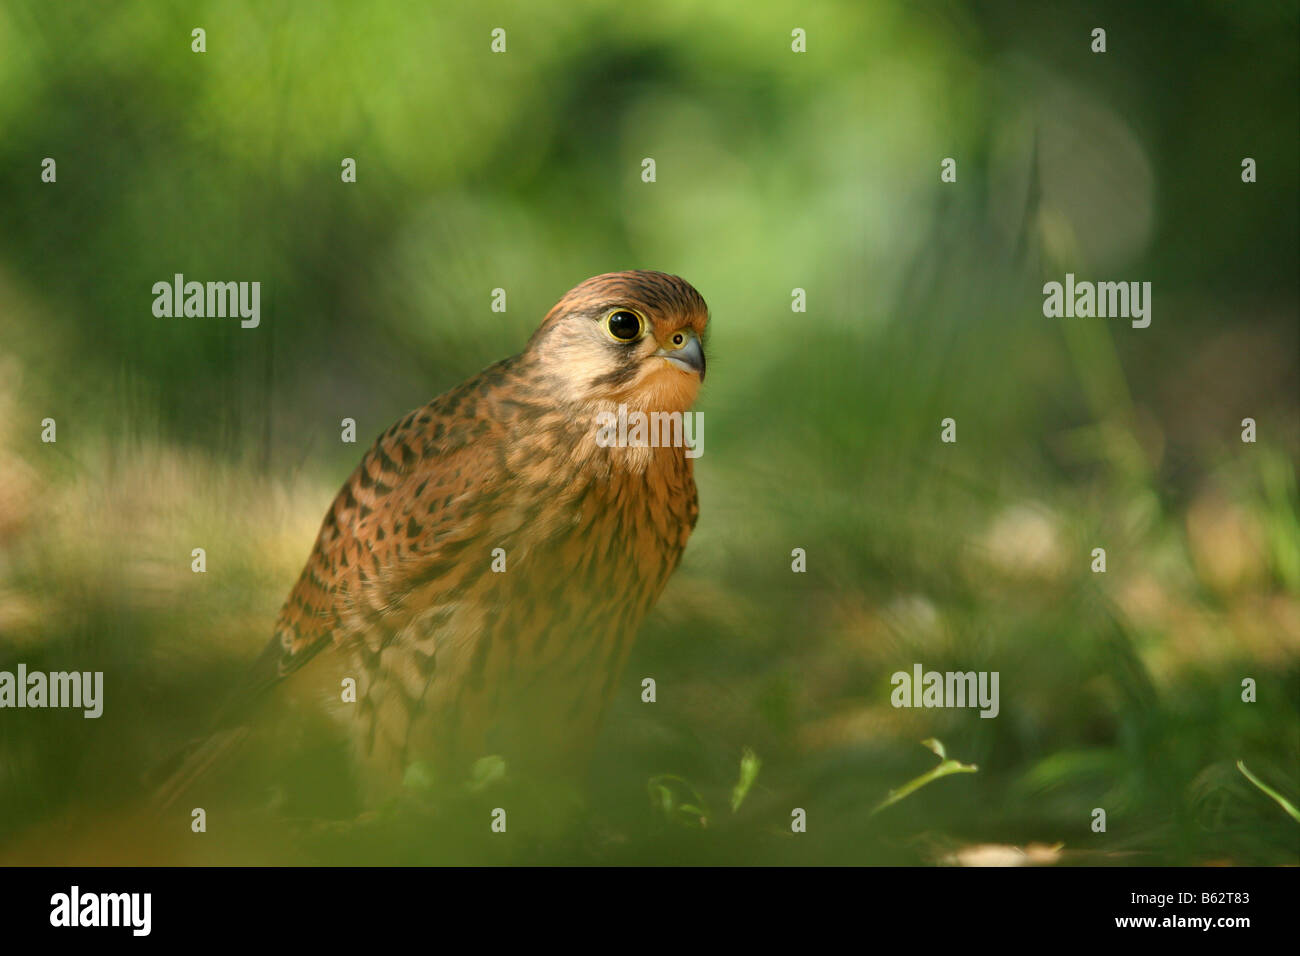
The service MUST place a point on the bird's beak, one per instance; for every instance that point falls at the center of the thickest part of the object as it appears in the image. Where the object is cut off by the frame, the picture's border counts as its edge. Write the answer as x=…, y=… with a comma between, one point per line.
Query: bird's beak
x=689, y=356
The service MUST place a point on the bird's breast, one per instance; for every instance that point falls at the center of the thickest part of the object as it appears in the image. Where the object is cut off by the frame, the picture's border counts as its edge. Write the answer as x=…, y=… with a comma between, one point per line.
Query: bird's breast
x=524, y=653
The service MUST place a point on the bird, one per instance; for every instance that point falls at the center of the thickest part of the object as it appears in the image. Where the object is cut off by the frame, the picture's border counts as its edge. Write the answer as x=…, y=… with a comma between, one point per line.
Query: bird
x=484, y=570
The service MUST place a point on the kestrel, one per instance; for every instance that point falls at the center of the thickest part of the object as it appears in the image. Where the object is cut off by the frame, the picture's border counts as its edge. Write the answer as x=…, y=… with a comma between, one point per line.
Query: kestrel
x=486, y=567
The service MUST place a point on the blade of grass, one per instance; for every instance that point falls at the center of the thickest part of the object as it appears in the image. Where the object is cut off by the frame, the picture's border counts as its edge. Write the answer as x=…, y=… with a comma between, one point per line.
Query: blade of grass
x=1280, y=800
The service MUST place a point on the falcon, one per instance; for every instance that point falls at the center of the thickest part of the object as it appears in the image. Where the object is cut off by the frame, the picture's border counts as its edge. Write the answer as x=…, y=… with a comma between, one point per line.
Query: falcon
x=483, y=572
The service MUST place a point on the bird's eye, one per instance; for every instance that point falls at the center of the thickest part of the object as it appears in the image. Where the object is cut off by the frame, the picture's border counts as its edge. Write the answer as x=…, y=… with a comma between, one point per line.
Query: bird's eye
x=678, y=339
x=624, y=325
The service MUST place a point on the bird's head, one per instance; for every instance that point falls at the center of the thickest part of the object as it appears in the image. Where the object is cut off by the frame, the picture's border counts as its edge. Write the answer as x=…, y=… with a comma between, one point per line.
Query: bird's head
x=634, y=338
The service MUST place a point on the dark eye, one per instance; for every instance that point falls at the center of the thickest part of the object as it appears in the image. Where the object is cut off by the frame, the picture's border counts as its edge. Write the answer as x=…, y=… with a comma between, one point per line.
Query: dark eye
x=624, y=325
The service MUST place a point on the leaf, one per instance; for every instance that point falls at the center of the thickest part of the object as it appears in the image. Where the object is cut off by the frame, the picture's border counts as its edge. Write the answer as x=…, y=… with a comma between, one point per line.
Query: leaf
x=691, y=810
x=1281, y=801
x=749, y=767
x=419, y=777
x=936, y=745
x=486, y=771
x=943, y=770
x=665, y=799
x=693, y=816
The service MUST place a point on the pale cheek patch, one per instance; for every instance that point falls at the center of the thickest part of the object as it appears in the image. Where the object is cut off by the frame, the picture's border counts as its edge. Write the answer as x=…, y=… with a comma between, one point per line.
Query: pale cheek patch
x=584, y=358
x=581, y=360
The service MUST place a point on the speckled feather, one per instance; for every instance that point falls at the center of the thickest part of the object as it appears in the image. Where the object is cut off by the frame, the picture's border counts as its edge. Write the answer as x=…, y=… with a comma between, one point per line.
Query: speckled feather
x=454, y=660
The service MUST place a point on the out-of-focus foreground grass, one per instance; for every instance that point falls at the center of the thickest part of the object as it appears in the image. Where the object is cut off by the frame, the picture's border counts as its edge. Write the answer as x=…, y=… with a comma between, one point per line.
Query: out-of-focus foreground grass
x=1120, y=691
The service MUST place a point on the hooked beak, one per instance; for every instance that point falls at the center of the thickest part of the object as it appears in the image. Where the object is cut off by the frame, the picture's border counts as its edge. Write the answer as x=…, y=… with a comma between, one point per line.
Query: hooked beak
x=689, y=356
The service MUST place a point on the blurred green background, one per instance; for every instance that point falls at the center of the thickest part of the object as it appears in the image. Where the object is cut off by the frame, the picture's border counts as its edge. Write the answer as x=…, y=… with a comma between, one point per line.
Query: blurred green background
x=775, y=170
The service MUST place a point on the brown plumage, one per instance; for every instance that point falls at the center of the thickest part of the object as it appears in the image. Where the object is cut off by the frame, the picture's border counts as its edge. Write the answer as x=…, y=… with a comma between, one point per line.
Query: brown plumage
x=453, y=659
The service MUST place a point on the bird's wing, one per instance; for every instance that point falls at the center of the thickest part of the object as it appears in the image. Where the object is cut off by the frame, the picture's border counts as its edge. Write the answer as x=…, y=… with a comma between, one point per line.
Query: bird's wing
x=399, y=532
x=396, y=534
